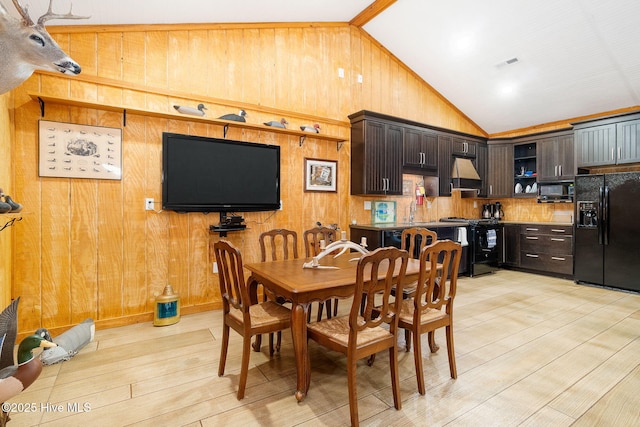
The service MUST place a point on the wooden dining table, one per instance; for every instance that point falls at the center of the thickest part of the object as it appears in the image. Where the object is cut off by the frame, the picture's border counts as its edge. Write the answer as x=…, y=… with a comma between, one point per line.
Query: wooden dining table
x=303, y=286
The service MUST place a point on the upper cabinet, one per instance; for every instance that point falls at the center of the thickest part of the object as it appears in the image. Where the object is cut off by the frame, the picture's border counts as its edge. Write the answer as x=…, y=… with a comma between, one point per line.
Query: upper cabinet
x=376, y=156
x=525, y=166
x=595, y=146
x=500, y=171
x=556, y=158
x=420, y=150
x=605, y=142
x=463, y=147
x=481, y=162
x=628, y=141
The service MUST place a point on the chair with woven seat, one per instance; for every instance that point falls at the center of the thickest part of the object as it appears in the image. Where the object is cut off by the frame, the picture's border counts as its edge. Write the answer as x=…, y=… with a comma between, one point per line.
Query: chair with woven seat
x=239, y=314
x=312, y=239
x=361, y=333
x=276, y=244
x=413, y=241
x=431, y=307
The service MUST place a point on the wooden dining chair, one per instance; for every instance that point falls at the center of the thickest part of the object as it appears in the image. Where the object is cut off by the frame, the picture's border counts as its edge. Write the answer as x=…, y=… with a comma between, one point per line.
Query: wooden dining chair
x=312, y=238
x=413, y=241
x=361, y=333
x=431, y=307
x=276, y=244
x=239, y=314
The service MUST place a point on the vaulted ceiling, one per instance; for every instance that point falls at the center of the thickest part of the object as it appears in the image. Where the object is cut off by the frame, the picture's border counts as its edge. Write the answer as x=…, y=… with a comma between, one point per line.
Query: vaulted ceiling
x=506, y=64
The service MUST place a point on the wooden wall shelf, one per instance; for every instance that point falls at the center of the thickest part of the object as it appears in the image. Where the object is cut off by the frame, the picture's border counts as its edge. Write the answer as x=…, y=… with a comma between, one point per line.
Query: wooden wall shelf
x=226, y=124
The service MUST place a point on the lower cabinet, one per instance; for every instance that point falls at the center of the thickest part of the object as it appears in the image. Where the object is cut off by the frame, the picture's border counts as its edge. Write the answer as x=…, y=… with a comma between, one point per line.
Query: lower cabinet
x=511, y=245
x=547, y=248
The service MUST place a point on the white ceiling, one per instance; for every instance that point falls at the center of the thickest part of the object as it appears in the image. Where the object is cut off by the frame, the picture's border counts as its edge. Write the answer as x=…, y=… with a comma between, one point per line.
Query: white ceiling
x=575, y=57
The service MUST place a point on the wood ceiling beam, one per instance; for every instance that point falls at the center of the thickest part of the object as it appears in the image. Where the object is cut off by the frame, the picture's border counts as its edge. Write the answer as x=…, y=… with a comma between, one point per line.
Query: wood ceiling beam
x=373, y=10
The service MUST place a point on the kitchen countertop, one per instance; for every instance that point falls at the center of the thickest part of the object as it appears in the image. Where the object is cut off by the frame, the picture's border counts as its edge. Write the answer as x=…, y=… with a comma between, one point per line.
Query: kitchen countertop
x=436, y=224
x=400, y=225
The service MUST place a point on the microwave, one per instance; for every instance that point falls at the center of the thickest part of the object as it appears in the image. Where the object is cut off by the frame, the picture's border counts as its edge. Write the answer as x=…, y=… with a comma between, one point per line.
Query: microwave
x=561, y=192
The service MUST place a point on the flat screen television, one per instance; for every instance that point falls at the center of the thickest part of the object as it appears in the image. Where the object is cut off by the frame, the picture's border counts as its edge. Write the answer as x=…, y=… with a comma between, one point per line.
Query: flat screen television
x=201, y=174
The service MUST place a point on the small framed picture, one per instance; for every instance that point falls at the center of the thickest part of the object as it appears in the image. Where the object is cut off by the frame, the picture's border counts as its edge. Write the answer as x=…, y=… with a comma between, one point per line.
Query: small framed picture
x=383, y=212
x=320, y=175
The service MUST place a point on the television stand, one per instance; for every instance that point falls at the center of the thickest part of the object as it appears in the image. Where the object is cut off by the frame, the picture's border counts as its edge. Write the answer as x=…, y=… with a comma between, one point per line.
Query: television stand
x=228, y=223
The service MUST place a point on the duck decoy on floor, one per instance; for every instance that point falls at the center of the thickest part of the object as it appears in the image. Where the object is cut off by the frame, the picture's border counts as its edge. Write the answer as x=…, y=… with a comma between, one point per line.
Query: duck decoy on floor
x=235, y=117
x=308, y=128
x=68, y=344
x=199, y=111
x=281, y=124
x=16, y=378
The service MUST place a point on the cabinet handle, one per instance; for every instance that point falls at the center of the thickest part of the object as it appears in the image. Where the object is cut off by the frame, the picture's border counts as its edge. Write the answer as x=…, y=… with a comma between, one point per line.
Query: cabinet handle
x=559, y=170
x=557, y=258
x=532, y=255
x=490, y=188
x=612, y=153
x=532, y=238
x=557, y=230
x=423, y=159
x=619, y=152
x=531, y=229
x=556, y=239
x=555, y=170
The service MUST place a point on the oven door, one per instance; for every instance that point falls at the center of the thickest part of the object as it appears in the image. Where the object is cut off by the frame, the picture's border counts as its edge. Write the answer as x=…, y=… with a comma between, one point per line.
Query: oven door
x=487, y=241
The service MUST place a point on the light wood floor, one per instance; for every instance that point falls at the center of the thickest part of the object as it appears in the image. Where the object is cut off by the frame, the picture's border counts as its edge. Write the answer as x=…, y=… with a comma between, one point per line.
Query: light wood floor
x=531, y=350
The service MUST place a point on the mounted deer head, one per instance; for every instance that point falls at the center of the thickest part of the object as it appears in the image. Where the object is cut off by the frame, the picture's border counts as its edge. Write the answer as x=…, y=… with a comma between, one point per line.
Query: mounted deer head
x=26, y=46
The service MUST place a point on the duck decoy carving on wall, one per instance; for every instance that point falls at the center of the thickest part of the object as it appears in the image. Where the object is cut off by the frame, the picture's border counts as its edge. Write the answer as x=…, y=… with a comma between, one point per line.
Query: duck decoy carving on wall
x=190, y=110
x=281, y=124
x=308, y=128
x=235, y=117
x=26, y=46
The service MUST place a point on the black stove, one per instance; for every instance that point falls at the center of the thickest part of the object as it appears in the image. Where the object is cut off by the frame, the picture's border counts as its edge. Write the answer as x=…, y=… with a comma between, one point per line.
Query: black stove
x=485, y=241
x=471, y=222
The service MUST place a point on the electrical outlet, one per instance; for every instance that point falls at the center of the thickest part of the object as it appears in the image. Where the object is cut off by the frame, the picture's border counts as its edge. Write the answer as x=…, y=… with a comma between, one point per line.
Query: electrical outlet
x=148, y=204
x=341, y=73
x=360, y=78
x=215, y=267
x=367, y=205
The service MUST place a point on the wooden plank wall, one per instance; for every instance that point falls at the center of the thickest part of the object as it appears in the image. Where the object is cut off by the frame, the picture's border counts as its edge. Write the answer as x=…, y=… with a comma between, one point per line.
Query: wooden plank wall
x=6, y=130
x=87, y=248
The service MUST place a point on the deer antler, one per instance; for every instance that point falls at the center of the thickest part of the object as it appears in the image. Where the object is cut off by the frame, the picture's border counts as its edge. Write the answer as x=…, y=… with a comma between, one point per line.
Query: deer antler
x=50, y=15
x=24, y=13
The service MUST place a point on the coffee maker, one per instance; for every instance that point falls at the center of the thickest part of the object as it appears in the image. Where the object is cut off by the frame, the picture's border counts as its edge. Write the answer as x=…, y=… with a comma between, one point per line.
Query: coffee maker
x=488, y=210
x=498, y=213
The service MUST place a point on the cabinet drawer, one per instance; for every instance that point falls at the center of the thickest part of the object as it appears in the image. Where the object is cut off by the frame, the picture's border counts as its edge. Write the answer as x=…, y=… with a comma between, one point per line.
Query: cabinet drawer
x=546, y=229
x=560, y=244
x=546, y=262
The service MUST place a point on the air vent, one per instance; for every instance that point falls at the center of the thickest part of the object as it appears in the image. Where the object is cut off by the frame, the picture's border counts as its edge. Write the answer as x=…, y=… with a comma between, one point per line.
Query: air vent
x=510, y=61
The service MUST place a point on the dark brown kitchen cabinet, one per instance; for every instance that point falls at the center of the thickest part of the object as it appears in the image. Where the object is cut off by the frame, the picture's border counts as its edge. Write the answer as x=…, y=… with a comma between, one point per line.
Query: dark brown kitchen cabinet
x=595, y=146
x=547, y=248
x=376, y=156
x=628, y=141
x=511, y=245
x=481, y=162
x=556, y=158
x=525, y=169
x=445, y=164
x=420, y=150
x=463, y=147
x=500, y=171
x=609, y=141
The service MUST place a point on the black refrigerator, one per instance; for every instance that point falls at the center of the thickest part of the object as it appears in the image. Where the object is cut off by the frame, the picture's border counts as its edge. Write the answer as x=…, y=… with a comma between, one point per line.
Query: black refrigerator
x=607, y=230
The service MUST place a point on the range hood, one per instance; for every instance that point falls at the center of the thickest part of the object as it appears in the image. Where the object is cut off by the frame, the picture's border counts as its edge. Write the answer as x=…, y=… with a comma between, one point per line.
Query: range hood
x=464, y=175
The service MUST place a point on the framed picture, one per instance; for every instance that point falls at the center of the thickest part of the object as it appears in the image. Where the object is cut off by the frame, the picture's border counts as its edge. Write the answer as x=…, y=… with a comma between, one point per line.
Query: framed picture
x=320, y=175
x=383, y=212
x=79, y=151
